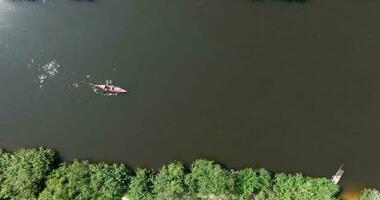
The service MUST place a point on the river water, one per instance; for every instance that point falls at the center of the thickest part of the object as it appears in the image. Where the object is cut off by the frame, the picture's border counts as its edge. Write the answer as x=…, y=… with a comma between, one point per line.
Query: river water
x=288, y=86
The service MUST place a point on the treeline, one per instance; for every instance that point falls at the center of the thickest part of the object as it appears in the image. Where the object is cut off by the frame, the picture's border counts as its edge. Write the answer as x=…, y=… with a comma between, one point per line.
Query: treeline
x=31, y=174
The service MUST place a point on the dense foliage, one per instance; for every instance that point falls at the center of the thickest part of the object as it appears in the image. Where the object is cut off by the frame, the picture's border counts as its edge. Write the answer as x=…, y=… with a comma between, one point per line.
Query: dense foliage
x=169, y=182
x=370, y=194
x=23, y=173
x=69, y=181
x=29, y=174
x=207, y=178
x=4, y=160
x=81, y=180
x=141, y=185
x=109, y=181
x=249, y=182
x=288, y=187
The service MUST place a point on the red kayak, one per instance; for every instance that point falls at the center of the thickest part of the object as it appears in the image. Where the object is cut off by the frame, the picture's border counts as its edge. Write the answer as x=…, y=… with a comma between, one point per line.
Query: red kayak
x=111, y=89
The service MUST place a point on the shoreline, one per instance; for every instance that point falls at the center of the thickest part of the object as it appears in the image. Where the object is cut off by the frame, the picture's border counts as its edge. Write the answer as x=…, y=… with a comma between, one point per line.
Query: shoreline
x=204, y=178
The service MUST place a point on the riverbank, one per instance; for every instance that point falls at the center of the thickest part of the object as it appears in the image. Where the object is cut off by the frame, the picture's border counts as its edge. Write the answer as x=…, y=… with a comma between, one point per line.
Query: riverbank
x=37, y=173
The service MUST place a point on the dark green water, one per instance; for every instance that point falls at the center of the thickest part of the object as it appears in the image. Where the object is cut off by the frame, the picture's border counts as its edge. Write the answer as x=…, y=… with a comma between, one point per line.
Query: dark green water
x=288, y=86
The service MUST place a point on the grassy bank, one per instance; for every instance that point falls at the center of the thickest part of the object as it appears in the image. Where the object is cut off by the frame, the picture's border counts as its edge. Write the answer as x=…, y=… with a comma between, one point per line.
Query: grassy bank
x=37, y=174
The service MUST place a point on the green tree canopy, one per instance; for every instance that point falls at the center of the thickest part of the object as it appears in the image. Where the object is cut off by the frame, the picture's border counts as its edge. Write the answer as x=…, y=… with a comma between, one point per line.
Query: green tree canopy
x=4, y=161
x=289, y=187
x=169, y=182
x=30, y=175
x=370, y=194
x=141, y=185
x=24, y=172
x=69, y=181
x=109, y=181
x=249, y=181
x=81, y=180
x=207, y=178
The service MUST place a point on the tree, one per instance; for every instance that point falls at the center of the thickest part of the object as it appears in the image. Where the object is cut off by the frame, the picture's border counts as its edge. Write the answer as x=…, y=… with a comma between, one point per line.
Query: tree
x=141, y=185
x=207, y=178
x=323, y=188
x=4, y=161
x=370, y=194
x=249, y=181
x=108, y=182
x=69, y=181
x=24, y=172
x=169, y=182
x=81, y=180
x=289, y=187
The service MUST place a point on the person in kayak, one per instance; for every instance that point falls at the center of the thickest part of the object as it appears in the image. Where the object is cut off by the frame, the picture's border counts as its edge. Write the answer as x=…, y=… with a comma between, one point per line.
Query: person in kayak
x=109, y=82
x=107, y=88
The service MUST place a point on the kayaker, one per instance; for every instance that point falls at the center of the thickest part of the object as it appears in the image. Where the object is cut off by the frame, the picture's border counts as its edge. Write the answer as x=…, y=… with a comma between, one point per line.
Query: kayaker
x=106, y=87
x=109, y=82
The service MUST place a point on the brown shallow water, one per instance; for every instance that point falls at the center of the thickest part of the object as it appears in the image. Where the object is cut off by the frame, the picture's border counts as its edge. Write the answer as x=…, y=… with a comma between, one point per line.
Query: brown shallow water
x=352, y=192
x=289, y=86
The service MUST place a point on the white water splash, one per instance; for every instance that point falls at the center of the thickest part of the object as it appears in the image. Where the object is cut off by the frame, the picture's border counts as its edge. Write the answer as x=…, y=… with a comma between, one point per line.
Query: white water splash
x=76, y=85
x=110, y=94
x=48, y=71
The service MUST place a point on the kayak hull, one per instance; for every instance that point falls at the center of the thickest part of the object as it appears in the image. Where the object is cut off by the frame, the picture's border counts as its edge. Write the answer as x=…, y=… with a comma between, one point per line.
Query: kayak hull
x=113, y=89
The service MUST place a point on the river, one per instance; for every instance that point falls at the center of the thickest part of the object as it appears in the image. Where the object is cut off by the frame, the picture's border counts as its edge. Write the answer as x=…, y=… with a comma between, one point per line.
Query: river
x=284, y=85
